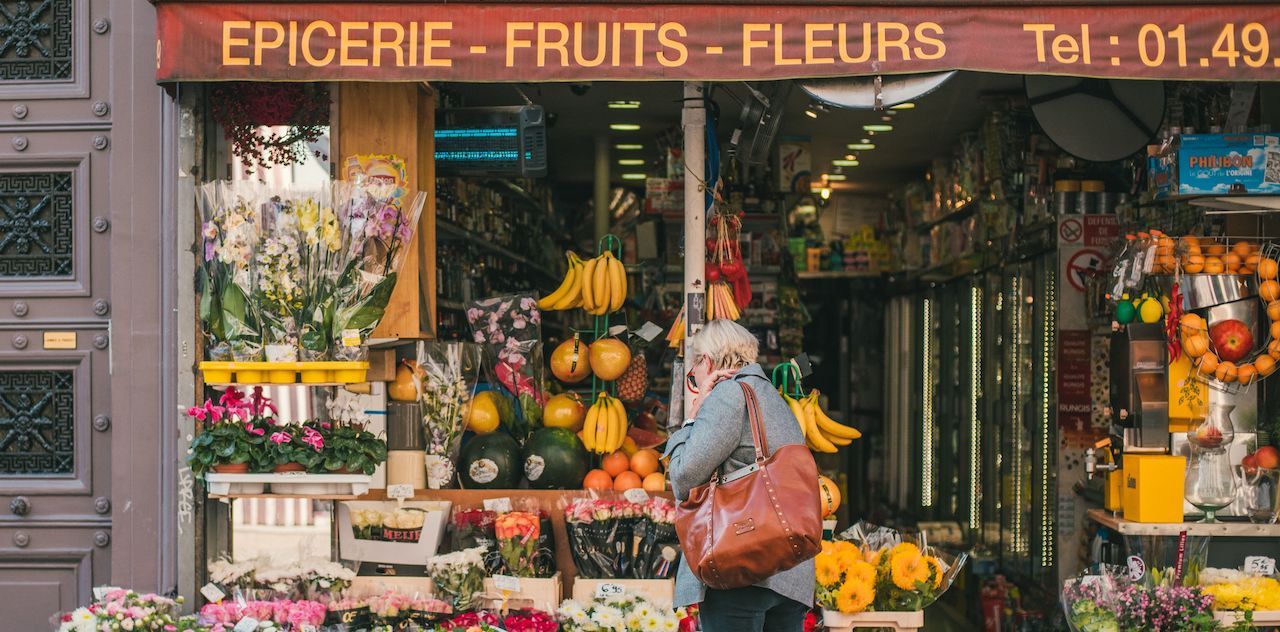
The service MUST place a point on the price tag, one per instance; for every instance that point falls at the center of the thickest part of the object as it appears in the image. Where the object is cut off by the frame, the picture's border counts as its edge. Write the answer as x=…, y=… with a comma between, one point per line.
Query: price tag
x=604, y=590
x=351, y=337
x=497, y=505
x=247, y=624
x=399, y=491
x=1259, y=565
x=1137, y=568
x=648, y=331
x=213, y=593
x=636, y=495
x=616, y=330
x=506, y=583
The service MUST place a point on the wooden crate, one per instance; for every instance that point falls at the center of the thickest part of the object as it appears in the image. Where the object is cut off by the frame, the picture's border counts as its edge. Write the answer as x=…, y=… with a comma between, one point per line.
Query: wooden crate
x=541, y=593
x=659, y=591
x=372, y=586
x=900, y=621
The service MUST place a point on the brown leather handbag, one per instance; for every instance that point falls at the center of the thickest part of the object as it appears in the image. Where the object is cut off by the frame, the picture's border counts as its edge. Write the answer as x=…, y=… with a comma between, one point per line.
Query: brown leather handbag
x=754, y=522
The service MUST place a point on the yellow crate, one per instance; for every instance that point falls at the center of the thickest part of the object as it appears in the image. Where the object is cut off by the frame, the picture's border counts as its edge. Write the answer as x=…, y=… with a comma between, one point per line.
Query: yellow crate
x=255, y=373
x=1153, y=486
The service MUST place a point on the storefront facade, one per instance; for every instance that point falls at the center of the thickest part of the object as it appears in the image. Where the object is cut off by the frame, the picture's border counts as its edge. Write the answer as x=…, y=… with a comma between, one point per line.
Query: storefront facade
x=98, y=351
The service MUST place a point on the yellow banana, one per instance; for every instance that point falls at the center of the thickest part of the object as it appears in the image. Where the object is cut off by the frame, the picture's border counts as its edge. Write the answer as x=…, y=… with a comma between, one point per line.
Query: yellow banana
x=549, y=301
x=588, y=286
x=817, y=440
x=796, y=411
x=617, y=283
x=589, y=428
x=616, y=417
x=563, y=300
x=831, y=427
x=602, y=424
x=837, y=441
x=601, y=283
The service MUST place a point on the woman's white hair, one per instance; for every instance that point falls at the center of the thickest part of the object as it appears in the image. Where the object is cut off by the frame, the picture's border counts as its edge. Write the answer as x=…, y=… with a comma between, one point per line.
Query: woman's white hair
x=728, y=345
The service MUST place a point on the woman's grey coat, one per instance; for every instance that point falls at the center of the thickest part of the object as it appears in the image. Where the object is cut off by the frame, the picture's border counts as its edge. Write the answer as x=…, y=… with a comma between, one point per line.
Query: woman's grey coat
x=720, y=437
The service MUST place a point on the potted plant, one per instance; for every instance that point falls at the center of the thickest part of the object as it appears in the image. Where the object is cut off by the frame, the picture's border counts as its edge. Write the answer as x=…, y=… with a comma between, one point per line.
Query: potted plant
x=350, y=449
x=232, y=437
x=297, y=448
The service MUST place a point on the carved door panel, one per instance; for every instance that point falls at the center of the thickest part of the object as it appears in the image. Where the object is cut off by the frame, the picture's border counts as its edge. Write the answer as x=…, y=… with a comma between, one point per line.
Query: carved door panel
x=55, y=347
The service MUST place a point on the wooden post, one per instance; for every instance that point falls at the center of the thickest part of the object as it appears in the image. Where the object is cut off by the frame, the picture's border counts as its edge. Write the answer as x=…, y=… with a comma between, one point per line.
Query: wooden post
x=399, y=119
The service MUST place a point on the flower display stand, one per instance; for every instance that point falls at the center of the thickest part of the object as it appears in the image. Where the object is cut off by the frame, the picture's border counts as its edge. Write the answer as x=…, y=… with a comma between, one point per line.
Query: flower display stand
x=332, y=486
x=660, y=591
x=1261, y=618
x=901, y=621
x=515, y=593
x=313, y=373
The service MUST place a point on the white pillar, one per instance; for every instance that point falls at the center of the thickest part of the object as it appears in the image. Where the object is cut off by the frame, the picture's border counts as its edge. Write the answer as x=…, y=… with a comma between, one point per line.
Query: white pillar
x=694, y=123
x=601, y=191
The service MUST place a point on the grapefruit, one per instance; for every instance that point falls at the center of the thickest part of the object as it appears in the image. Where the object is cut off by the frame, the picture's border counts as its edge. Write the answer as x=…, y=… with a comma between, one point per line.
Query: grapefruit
x=564, y=411
x=481, y=413
x=597, y=479
x=615, y=463
x=645, y=462
x=570, y=361
x=609, y=358
x=626, y=480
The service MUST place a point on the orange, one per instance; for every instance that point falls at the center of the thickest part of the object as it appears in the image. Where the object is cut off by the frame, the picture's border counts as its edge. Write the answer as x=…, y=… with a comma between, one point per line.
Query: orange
x=1195, y=345
x=1275, y=331
x=1273, y=349
x=1213, y=265
x=1232, y=261
x=1193, y=264
x=655, y=482
x=1192, y=323
x=1252, y=260
x=1267, y=268
x=829, y=495
x=1265, y=365
x=1269, y=291
x=1246, y=373
x=645, y=462
x=1226, y=372
x=1166, y=263
x=1208, y=364
x=609, y=358
x=1242, y=248
x=1215, y=250
x=597, y=479
x=615, y=463
x=625, y=481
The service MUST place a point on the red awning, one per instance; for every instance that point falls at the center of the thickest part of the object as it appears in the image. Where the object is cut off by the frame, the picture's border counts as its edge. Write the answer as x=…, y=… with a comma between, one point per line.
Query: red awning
x=297, y=41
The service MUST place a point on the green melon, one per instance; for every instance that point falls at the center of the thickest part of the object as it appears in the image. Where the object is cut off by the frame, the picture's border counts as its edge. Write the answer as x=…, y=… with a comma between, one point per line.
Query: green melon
x=490, y=461
x=554, y=458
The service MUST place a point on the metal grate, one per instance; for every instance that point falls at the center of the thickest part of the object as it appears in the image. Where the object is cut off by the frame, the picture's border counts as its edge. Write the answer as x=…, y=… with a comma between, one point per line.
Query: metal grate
x=35, y=40
x=36, y=230
x=37, y=417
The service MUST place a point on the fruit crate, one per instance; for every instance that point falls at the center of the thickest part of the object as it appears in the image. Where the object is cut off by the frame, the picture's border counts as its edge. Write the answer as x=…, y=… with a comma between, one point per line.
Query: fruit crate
x=296, y=484
x=900, y=621
x=312, y=373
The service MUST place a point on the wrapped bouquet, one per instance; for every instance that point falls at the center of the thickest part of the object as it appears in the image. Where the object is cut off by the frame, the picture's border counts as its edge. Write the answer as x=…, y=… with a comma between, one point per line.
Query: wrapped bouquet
x=509, y=329
x=518, y=536
x=599, y=532
x=449, y=371
x=120, y=609
x=875, y=568
x=458, y=576
x=657, y=550
x=229, y=235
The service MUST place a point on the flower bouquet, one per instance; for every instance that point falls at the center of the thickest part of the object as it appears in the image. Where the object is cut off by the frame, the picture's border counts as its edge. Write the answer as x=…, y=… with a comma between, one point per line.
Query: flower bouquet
x=231, y=576
x=458, y=576
x=530, y=621
x=379, y=215
x=509, y=329
x=905, y=574
x=279, y=615
x=449, y=373
x=599, y=531
x=470, y=622
x=619, y=614
x=469, y=528
x=1238, y=591
x=404, y=612
x=518, y=536
x=657, y=551
x=1089, y=602
x=348, y=614
x=120, y=609
x=229, y=235
x=278, y=293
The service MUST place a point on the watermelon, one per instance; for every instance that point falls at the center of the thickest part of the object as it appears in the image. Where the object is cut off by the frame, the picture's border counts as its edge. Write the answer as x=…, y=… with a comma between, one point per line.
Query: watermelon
x=490, y=461
x=554, y=458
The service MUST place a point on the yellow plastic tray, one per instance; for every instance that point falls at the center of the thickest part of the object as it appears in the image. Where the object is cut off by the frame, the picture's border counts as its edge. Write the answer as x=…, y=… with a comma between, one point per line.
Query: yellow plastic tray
x=284, y=372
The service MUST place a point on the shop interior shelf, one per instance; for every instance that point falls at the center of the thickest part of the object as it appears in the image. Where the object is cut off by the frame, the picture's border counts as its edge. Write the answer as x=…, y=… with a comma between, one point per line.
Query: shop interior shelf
x=457, y=232
x=837, y=274
x=1237, y=203
x=1218, y=529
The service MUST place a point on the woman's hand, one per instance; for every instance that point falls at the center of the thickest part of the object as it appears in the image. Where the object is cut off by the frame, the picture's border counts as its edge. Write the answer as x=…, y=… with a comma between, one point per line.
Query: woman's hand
x=704, y=390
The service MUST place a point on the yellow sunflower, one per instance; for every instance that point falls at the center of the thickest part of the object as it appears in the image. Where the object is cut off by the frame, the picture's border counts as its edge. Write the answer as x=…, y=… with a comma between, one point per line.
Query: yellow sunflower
x=935, y=569
x=861, y=571
x=907, y=568
x=826, y=569
x=906, y=548
x=854, y=596
x=828, y=546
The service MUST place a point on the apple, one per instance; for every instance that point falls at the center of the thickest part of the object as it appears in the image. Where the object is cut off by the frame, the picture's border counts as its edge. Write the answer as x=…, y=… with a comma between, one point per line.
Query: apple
x=1232, y=340
x=1267, y=457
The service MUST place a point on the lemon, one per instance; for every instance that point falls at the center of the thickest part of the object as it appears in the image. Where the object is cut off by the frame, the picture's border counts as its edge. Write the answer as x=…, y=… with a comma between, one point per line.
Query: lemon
x=481, y=414
x=1150, y=311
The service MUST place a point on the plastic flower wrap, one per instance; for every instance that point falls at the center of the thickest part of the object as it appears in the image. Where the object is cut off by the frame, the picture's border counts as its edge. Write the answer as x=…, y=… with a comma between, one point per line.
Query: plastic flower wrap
x=657, y=550
x=908, y=574
x=619, y=614
x=281, y=614
x=321, y=260
x=352, y=613
x=379, y=216
x=459, y=576
x=120, y=609
x=449, y=371
x=278, y=292
x=1090, y=601
x=510, y=330
x=471, y=528
x=229, y=235
x=599, y=531
x=401, y=611
x=517, y=533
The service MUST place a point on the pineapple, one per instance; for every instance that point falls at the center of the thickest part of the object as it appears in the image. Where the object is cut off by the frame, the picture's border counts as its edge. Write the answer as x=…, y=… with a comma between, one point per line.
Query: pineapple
x=635, y=380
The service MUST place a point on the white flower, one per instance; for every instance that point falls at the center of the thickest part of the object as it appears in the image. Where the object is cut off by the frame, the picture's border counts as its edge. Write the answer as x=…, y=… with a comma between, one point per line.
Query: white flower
x=127, y=624
x=670, y=625
x=466, y=557
x=607, y=617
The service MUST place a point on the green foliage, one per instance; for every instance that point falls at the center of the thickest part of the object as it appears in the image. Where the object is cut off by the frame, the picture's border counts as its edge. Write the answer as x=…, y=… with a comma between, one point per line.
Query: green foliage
x=353, y=448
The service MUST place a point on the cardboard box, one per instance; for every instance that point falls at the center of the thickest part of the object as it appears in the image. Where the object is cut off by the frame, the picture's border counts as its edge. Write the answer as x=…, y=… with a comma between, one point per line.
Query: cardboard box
x=513, y=593
x=1216, y=164
x=1153, y=485
x=351, y=548
x=659, y=591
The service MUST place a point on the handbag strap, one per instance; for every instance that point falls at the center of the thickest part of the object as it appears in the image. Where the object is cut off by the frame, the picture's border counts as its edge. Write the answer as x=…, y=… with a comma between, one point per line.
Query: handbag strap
x=757, y=426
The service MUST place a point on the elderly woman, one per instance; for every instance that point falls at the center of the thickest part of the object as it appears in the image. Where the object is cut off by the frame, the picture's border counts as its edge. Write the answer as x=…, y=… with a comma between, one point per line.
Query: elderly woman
x=717, y=436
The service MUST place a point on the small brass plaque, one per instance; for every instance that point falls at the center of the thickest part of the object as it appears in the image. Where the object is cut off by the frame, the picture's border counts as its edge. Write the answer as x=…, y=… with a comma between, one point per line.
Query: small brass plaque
x=59, y=340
